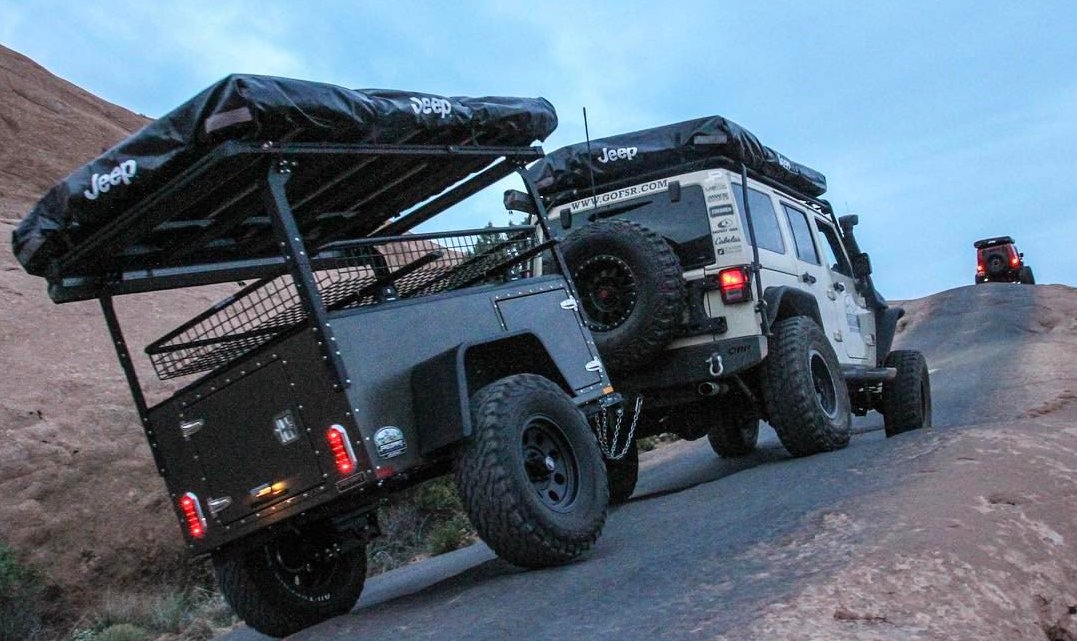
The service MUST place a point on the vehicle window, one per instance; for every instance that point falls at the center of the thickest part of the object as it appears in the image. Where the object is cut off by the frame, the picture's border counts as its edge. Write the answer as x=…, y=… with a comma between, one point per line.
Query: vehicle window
x=835, y=257
x=802, y=236
x=682, y=223
x=767, y=233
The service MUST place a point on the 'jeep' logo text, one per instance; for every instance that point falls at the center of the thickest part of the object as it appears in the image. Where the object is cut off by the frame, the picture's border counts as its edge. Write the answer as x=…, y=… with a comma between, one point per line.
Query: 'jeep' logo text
x=431, y=106
x=621, y=153
x=101, y=183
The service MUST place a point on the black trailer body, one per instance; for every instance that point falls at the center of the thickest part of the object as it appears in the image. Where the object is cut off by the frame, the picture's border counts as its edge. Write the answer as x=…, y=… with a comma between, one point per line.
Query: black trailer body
x=250, y=442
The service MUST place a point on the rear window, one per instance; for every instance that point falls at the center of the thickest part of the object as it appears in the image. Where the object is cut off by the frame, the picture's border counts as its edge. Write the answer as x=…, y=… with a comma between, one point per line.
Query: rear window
x=767, y=233
x=683, y=223
x=802, y=237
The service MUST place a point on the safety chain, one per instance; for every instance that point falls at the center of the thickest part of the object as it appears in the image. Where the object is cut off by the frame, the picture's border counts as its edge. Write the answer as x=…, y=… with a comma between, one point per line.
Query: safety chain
x=607, y=444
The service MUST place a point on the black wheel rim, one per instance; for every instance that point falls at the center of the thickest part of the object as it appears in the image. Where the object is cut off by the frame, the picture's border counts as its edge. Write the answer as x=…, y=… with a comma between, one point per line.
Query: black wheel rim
x=825, y=393
x=550, y=464
x=302, y=566
x=609, y=291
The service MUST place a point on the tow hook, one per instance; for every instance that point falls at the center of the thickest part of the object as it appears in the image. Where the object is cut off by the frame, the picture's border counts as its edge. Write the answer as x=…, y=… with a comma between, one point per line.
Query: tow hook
x=716, y=365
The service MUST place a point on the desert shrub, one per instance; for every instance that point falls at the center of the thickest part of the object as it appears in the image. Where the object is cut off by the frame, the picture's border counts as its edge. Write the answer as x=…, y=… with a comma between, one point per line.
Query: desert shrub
x=122, y=632
x=426, y=519
x=20, y=598
x=192, y=613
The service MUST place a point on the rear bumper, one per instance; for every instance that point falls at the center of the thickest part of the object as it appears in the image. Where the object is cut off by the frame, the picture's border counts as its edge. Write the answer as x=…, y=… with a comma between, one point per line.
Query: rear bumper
x=697, y=363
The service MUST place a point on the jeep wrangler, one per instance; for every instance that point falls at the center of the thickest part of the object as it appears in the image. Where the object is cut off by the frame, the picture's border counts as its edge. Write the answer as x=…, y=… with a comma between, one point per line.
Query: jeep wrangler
x=998, y=261
x=721, y=291
x=360, y=359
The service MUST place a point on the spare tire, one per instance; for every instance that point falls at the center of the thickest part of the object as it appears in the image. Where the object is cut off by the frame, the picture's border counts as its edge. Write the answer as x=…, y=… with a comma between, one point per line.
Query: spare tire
x=631, y=290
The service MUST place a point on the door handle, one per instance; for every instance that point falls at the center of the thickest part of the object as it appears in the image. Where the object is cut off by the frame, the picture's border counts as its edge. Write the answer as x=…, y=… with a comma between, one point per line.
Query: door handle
x=808, y=278
x=839, y=286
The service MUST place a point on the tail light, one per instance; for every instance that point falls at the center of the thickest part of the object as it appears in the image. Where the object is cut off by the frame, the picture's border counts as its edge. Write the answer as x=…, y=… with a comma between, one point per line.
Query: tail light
x=734, y=284
x=1014, y=261
x=980, y=268
x=192, y=515
x=341, y=448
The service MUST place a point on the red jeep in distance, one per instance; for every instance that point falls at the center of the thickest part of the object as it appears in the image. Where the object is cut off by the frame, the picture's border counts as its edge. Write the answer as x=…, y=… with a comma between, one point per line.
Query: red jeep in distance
x=998, y=261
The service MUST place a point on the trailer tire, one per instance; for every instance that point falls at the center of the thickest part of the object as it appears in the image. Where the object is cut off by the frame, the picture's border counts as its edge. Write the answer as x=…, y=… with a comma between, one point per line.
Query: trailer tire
x=806, y=396
x=623, y=474
x=632, y=292
x=906, y=399
x=531, y=475
x=264, y=587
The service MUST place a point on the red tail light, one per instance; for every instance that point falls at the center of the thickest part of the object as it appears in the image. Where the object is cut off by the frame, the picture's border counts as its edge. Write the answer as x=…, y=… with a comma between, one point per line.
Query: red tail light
x=192, y=515
x=734, y=284
x=341, y=447
x=980, y=268
x=1015, y=261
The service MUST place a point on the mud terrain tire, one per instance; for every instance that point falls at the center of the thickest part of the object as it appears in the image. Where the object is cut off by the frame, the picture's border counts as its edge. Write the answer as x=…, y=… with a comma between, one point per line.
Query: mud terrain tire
x=623, y=474
x=631, y=289
x=736, y=430
x=1024, y=275
x=907, y=398
x=531, y=476
x=806, y=395
x=278, y=597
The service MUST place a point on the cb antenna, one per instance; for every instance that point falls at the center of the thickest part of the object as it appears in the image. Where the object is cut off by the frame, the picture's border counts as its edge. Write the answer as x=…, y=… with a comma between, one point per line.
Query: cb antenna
x=590, y=164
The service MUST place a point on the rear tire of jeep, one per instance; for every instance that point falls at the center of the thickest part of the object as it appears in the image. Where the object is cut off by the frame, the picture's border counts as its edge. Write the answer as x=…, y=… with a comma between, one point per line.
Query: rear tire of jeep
x=1024, y=275
x=806, y=395
x=631, y=289
x=736, y=430
x=907, y=398
x=276, y=591
x=622, y=475
x=531, y=475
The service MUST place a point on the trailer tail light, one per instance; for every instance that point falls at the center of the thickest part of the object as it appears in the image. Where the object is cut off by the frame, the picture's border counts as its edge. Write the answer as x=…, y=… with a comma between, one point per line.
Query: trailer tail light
x=341, y=447
x=192, y=515
x=734, y=283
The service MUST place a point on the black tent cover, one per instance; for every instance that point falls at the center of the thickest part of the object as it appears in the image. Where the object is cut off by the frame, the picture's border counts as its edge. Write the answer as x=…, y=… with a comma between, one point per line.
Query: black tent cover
x=259, y=108
x=565, y=174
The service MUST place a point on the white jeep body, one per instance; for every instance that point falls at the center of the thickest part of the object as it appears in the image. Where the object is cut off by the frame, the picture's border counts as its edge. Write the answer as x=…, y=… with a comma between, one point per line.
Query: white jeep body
x=799, y=247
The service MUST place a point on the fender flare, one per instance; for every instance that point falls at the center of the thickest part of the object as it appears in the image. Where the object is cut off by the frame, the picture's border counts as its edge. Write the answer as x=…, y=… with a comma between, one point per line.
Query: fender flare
x=784, y=301
x=442, y=386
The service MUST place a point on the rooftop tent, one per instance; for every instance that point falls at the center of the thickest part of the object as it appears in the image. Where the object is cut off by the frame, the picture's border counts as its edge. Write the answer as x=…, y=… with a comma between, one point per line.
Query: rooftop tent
x=566, y=174
x=186, y=189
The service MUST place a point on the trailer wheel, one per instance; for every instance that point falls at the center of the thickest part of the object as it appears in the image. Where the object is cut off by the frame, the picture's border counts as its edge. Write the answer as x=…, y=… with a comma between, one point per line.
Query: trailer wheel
x=907, y=398
x=622, y=475
x=806, y=396
x=531, y=476
x=632, y=292
x=289, y=584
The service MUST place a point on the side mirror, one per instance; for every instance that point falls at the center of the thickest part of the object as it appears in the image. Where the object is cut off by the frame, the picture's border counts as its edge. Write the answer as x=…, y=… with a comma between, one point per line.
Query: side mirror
x=861, y=265
x=566, y=218
x=516, y=200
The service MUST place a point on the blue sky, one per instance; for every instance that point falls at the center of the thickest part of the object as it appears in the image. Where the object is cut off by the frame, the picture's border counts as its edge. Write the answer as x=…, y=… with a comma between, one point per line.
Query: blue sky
x=938, y=122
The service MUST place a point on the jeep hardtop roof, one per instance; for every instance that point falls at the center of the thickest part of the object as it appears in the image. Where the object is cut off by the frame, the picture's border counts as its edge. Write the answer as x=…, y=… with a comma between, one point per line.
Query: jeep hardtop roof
x=181, y=202
x=992, y=242
x=566, y=174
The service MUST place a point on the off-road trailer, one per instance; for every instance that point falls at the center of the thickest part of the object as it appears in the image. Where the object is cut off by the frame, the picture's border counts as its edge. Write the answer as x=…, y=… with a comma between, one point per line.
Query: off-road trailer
x=360, y=360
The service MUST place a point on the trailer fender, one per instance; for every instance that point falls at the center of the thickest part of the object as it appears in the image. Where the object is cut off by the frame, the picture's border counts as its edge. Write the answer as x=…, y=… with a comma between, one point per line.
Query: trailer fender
x=442, y=386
